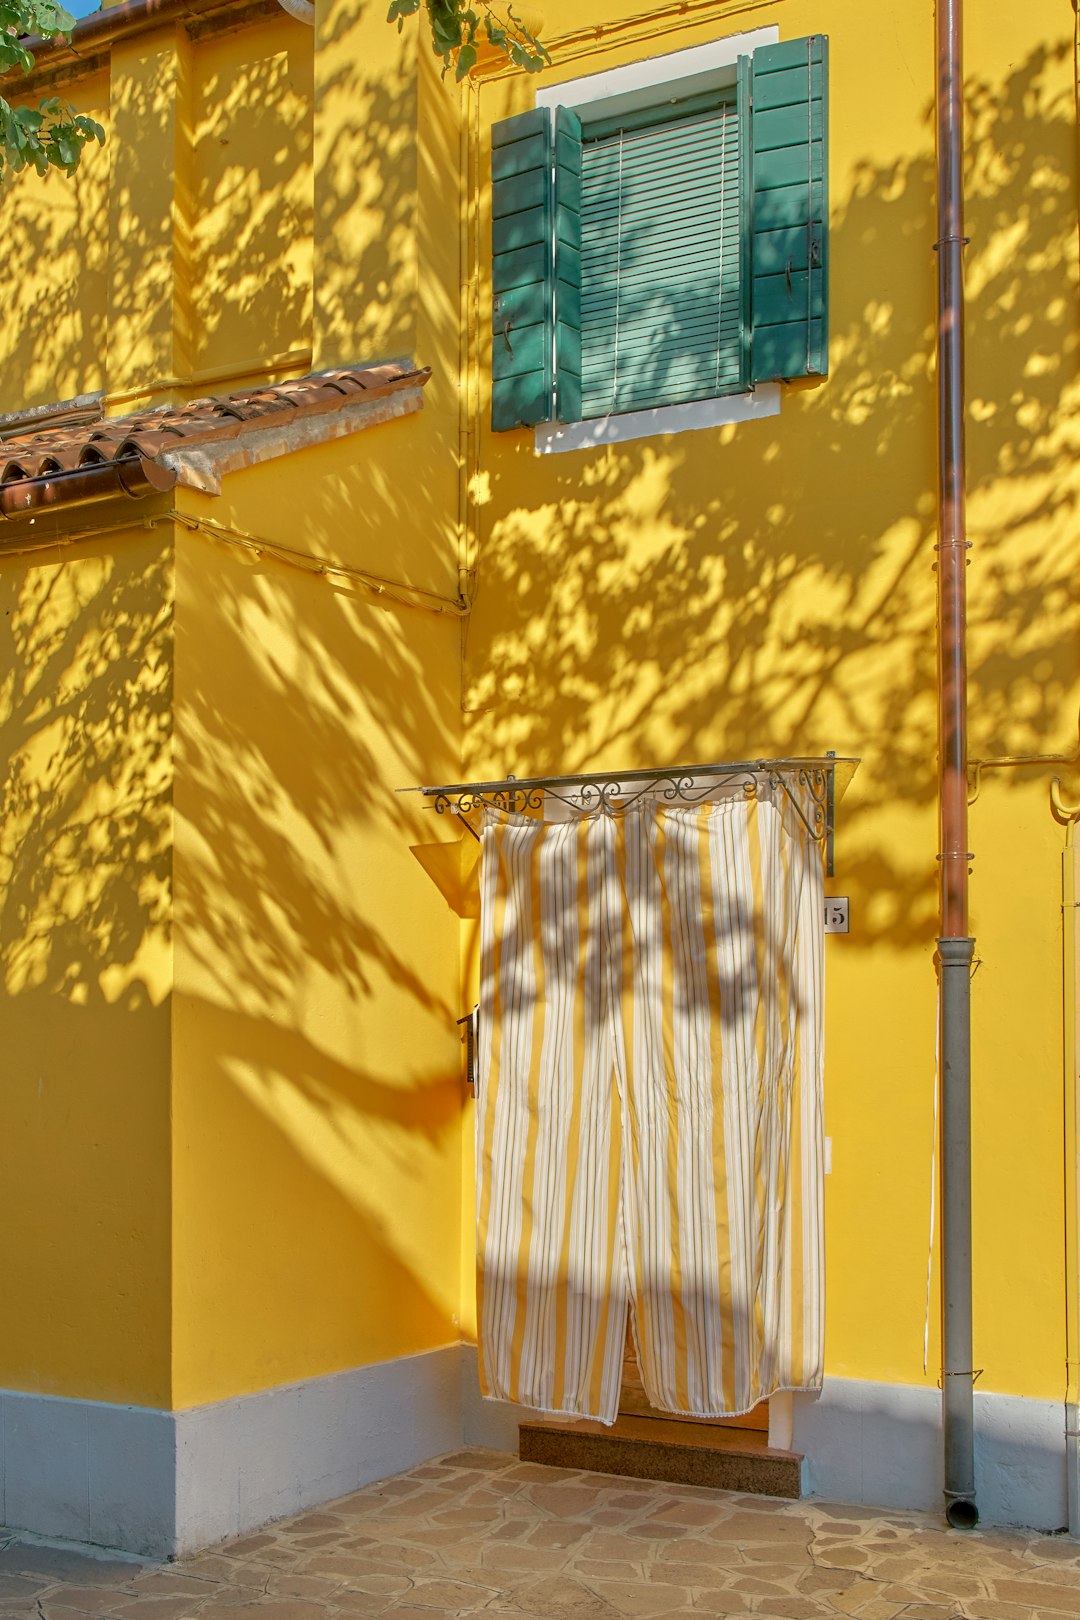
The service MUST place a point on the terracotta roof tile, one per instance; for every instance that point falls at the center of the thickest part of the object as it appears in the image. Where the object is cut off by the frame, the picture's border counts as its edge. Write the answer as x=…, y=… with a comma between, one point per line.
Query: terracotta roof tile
x=144, y=436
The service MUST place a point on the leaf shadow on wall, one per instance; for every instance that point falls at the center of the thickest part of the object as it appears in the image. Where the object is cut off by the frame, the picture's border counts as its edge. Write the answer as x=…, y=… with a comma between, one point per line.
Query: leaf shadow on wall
x=316, y=1094
x=768, y=588
x=85, y=889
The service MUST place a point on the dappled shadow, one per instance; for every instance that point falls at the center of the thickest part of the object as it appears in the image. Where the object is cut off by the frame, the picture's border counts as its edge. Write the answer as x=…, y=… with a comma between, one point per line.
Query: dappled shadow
x=186, y=244
x=764, y=589
x=366, y=188
x=85, y=902
x=229, y=989
x=316, y=972
x=768, y=588
x=252, y=194
x=240, y=927
x=52, y=338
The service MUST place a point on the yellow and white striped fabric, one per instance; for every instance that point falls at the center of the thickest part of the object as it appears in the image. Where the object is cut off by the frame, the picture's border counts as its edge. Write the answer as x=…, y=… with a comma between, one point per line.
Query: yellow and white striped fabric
x=649, y=1126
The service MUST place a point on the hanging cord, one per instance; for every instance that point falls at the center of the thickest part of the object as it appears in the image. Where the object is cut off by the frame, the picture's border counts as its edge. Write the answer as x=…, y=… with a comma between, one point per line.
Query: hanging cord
x=618, y=279
x=720, y=256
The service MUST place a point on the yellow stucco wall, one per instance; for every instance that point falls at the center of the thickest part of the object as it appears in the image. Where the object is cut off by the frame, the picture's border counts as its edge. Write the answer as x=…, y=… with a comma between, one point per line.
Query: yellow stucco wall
x=303, y=1077
x=317, y=1087
x=252, y=195
x=56, y=245
x=760, y=589
x=86, y=963
x=316, y=1065
x=768, y=589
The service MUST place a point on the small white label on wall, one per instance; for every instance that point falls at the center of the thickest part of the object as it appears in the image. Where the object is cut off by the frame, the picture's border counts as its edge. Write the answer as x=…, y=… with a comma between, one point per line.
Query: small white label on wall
x=828, y=1155
x=836, y=914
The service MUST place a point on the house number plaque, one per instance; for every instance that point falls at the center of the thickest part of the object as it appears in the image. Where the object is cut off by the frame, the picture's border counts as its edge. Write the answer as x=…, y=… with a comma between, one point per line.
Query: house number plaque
x=836, y=914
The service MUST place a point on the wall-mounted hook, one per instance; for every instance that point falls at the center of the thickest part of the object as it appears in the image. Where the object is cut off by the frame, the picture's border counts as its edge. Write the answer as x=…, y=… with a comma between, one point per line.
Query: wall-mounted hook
x=1063, y=812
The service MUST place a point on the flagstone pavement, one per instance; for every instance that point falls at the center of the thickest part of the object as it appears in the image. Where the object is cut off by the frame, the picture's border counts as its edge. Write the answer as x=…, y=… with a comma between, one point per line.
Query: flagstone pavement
x=480, y=1533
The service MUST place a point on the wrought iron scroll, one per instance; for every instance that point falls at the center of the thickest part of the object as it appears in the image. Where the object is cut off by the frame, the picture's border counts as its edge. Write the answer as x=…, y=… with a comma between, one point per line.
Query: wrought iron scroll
x=809, y=786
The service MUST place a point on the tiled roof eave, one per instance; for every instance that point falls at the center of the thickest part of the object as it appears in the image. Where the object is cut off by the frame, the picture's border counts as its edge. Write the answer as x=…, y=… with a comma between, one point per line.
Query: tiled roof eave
x=201, y=441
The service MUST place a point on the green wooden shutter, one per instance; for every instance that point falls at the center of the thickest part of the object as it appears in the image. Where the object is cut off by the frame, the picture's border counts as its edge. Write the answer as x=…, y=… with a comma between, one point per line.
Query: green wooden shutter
x=567, y=265
x=788, y=183
x=536, y=274
x=522, y=362
x=661, y=305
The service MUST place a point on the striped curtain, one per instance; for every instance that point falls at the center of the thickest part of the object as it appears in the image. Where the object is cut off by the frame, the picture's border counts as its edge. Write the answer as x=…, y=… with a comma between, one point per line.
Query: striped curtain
x=649, y=1127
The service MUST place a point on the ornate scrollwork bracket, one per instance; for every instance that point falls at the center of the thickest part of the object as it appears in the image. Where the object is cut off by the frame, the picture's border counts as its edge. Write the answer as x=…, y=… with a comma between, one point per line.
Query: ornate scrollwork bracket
x=808, y=785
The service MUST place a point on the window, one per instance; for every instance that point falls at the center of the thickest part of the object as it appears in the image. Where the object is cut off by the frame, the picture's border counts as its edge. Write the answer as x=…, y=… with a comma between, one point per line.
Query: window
x=652, y=253
x=661, y=302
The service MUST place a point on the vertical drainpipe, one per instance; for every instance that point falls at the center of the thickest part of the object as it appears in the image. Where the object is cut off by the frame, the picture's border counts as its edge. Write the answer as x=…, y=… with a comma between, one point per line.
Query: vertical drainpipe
x=955, y=947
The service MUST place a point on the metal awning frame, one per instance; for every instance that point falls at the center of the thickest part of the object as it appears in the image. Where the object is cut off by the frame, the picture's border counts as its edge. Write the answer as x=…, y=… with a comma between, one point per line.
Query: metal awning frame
x=812, y=785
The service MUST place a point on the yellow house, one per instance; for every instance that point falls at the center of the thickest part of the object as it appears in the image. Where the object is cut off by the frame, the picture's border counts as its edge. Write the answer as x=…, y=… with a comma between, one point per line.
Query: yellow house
x=302, y=506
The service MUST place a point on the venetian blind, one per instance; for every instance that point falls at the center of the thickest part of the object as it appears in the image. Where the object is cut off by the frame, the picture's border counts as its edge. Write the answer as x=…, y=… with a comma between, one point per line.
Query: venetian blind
x=661, y=305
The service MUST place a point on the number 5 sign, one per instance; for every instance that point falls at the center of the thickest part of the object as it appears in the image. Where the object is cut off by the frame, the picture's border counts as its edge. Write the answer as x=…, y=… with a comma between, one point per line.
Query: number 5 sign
x=836, y=914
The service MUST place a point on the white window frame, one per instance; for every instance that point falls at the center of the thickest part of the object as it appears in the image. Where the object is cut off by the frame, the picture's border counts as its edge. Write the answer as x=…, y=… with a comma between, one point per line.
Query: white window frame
x=690, y=72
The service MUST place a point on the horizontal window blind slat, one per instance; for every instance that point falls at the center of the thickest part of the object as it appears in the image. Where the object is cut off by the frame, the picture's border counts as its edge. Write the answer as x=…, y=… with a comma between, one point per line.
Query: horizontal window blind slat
x=695, y=165
x=650, y=398
x=640, y=294
x=704, y=246
x=643, y=302
x=702, y=162
x=678, y=137
x=609, y=203
x=604, y=219
x=642, y=190
x=695, y=213
x=677, y=275
x=640, y=373
x=646, y=373
x=646, y=342
x=703, y=339
x=647, y=366
x=651, y=335
x=614, y=243
x=685, y=372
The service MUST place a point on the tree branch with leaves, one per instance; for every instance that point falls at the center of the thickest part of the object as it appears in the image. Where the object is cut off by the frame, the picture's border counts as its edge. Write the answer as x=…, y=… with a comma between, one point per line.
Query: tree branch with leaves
x=460, y=27
x=51, y=135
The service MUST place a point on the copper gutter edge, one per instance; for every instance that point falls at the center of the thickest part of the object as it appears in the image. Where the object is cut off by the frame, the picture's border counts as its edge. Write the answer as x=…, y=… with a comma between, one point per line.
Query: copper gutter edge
x=134, y=476
x=120, y=22
x=955, y=946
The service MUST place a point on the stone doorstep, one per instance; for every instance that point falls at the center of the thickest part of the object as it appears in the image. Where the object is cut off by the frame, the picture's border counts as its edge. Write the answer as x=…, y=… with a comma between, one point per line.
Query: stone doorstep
x=677, y=1453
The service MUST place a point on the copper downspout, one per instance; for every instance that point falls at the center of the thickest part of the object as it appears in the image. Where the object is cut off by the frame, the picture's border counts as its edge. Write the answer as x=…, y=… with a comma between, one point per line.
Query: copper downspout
x=131, y=475
x=955, y=947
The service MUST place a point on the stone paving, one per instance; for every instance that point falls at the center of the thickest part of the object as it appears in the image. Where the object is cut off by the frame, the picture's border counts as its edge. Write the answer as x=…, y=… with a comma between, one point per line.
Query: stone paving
x=480, y=1533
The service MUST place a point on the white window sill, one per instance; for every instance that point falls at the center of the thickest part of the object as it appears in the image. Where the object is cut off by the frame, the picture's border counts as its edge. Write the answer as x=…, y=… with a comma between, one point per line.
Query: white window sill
x=553, y=438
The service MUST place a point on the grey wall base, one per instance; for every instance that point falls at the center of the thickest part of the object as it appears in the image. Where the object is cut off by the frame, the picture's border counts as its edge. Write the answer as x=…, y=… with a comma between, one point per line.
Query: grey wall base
x=880, y=1444
x=164, y=1483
